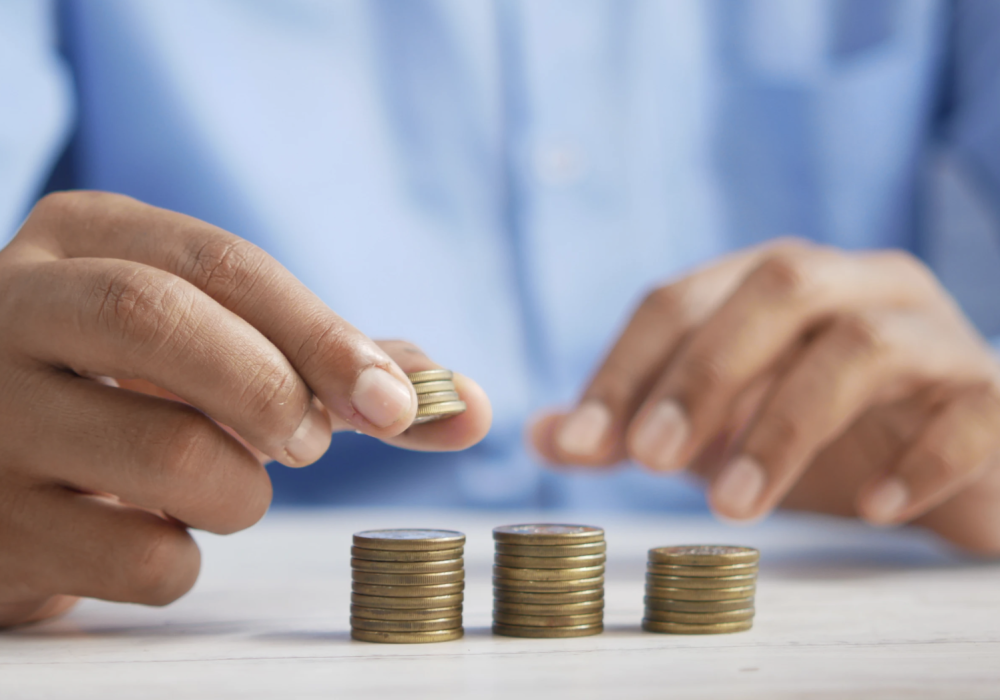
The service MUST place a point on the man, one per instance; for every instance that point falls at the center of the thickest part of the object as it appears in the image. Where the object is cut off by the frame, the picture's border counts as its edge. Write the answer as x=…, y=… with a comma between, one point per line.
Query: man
x=497, y=181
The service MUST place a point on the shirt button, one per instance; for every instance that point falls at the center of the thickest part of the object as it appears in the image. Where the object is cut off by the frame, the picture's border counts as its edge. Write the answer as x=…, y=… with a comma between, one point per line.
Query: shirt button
x=559, y=165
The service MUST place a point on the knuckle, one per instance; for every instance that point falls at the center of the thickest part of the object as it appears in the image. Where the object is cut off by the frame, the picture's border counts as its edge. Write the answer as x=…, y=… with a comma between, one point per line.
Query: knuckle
x=137, y=304
x=325, y=346
x=778, y=434
x=704, y=374
x=783, y=273
x=859, y=334
x=937, y=463
x=273, y=399
x=226, y=267
x=162, y=572
x=667, y=301
x=188, y=447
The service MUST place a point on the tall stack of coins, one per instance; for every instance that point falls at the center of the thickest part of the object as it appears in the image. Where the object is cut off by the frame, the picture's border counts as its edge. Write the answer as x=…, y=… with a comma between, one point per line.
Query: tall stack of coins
x=548, y=580
x=407, y=586
x=700, y=589
x=437, y=397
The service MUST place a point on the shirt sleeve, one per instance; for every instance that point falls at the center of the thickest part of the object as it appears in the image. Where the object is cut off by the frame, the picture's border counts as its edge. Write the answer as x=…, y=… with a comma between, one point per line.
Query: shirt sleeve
x=37, y=106
x=971, y=116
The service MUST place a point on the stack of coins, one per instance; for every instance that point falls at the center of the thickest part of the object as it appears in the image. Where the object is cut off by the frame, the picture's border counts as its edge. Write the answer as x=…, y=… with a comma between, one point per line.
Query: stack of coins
x=407, y=586
x=548, y=580
x=436, y=395
x=700, y=589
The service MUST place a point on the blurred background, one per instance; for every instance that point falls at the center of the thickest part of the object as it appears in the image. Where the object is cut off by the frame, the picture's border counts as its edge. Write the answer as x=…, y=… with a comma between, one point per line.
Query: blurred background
x=501, y=181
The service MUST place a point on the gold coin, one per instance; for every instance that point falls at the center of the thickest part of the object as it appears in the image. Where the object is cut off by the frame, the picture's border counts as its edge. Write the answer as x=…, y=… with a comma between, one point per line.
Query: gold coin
x=507, y=572
x=694, y=582
x=409, y=540
x=700, y=593
x=547, y=620
x=702, y=571
x=433, y=387
x=445, y=408
x=547, y=632
x=506, y=597
x=551, y=550
x=445, y=623
x=401, y=556
x=406, y=637
x=704, y=555
x=407, y=591
x=547, y=534
x=437, y=397
x=408, y=579
x=415, y=603
x=584, y=608
x=430, y=375
x=549, y=562
x=682, y=628
x=582, y=584
x=698, y=606
x=700, y=618
x=407, y=567
x=418, y=614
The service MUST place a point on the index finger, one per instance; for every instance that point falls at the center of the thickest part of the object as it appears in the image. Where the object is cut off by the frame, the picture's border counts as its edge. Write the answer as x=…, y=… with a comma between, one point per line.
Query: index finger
x=352, y=376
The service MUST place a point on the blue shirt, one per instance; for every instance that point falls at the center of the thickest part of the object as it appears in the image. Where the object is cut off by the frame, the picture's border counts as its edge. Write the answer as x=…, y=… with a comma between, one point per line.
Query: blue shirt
x=500, y=181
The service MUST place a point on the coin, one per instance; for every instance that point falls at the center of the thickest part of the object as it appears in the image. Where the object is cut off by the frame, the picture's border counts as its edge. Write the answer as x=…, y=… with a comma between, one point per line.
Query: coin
x=407, y=591
x=695, y=582
x=682, y=628
x=547, y=632
x=437, y=397
x=507, y=572
x=408, y=579
x=700, y=618
x=700, y=593
x=529, y=598
x=430, y=375
x=444, y=408
x=405, y=556
x=701, y=571
x=446, y=623
x=406, y=637
x=698, y=606
x=400, y=603
x=582, y=584
x=704, y=555
x=549, y=562
x=547, y=534
x=417, y=614
x=588, y=606
x=433, y=387
x=547, y=620
x=407, y=567
x=551, y=550
x=409, y=540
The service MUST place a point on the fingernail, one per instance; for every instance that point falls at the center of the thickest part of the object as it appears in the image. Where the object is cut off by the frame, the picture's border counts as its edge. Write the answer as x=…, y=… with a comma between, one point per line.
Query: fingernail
x=311, y=438
x=738, y=487
x=887, y=500
x=380, y=397
x=584, y=429
x=661, y=435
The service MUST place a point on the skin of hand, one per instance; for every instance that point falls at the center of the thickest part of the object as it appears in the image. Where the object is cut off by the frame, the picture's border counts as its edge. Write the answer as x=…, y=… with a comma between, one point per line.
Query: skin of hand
x=804, y=377
x=149, y=364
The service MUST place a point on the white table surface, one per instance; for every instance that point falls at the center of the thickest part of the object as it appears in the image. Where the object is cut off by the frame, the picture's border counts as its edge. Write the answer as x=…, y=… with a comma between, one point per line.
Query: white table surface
x=842, y=611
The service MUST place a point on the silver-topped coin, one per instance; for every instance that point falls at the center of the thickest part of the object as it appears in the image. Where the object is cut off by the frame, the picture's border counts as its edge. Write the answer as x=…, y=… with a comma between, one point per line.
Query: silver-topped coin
x=409, y=539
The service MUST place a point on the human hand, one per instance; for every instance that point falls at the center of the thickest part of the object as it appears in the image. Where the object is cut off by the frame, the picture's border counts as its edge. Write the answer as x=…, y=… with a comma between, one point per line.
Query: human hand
x=808, y=377
x=98, y=483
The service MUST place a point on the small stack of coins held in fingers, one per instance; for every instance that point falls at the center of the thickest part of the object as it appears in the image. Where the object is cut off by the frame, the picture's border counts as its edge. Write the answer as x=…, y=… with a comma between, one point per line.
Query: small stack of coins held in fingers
x=700, y=589
x=548, y=581
x=437, y=397
x=407, y=586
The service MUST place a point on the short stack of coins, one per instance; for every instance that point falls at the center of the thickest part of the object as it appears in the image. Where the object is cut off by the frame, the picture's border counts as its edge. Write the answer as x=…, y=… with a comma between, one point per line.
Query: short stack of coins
x=407, y=586
x=700, y=589
x=548, y=581
x=437, y=397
